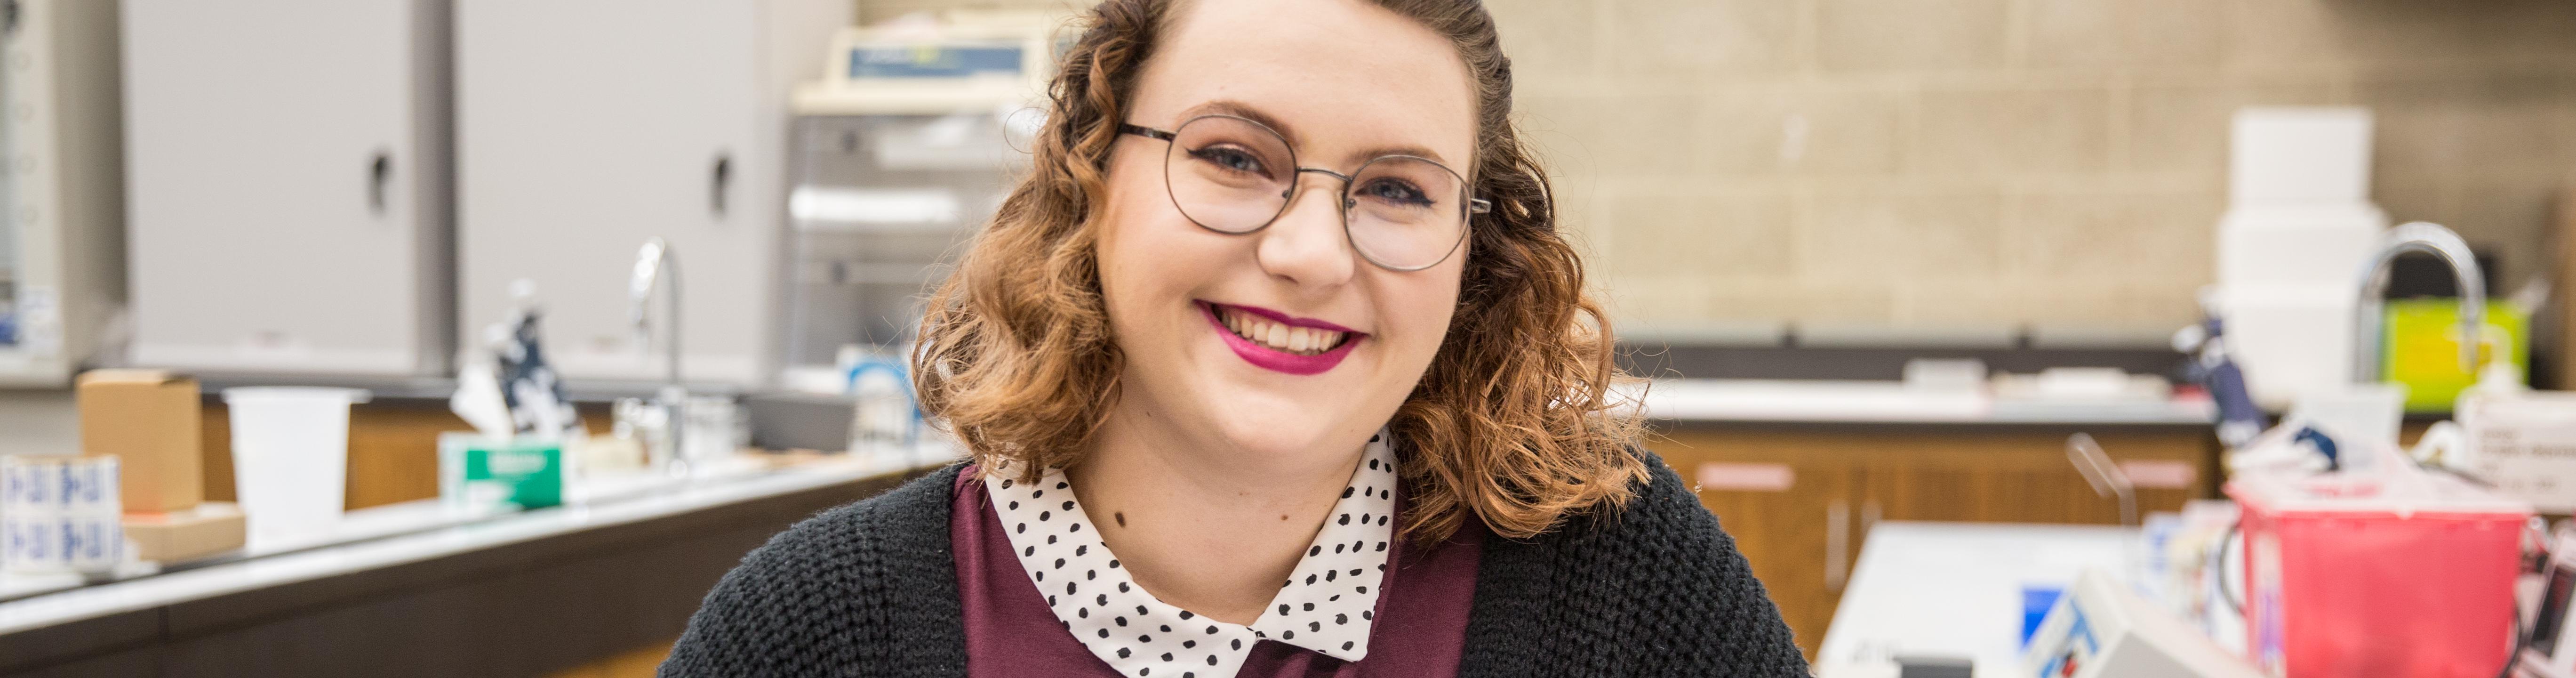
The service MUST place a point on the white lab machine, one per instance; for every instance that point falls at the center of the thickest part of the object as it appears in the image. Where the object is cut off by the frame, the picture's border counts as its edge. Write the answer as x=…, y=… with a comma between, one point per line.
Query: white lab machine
x=288, y=185
x=2299, y=223
x=61, y=201
x=586, y=127
x=904, y=148
x=2099, y=629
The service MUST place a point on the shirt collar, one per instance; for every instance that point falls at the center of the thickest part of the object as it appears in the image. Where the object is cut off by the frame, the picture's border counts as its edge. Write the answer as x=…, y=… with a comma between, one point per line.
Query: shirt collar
x=1327, y=605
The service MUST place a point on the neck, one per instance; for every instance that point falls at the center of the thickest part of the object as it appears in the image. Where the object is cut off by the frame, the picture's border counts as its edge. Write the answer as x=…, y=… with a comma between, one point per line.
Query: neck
x=1210, y=532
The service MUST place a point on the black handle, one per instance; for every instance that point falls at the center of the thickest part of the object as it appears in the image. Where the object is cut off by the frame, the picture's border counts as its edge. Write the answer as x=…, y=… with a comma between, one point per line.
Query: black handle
x=380, y=174
x=723, y=178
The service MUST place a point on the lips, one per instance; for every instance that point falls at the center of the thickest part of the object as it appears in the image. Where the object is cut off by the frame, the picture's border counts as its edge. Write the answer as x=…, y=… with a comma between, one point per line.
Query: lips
x=1279, y=342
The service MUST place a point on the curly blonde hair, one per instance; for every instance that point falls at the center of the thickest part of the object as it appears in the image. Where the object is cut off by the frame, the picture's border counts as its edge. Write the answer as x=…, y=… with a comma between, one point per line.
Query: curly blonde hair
x=1513, y=420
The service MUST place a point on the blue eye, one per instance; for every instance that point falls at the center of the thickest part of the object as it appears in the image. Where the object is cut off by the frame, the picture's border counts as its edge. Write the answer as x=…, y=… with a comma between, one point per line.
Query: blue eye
x=1235, y=159
x=1394, y=191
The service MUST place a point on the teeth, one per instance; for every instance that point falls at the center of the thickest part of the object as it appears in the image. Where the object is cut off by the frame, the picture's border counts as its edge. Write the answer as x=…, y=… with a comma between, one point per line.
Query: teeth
x=1300, y=340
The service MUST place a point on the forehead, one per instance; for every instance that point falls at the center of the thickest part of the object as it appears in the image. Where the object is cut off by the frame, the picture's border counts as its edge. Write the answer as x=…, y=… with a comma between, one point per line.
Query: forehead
x=1340, y=75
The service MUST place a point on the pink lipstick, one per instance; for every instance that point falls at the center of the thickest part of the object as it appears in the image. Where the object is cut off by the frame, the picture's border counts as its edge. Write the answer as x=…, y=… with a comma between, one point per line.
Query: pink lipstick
x=1281, y=342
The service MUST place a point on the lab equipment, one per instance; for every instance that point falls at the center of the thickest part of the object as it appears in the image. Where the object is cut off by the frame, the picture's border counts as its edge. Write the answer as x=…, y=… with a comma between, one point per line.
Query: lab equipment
x=61, y=244
x=290, y=459
x=2299, y=220
x=2546, y=650
x=884, y=424
x=2211, y=366
x=585, y=126
x=900, y=151
x=60, y=513
x=2336, y=565
x=713, y=432
x=2099, y=629
x=288, y=186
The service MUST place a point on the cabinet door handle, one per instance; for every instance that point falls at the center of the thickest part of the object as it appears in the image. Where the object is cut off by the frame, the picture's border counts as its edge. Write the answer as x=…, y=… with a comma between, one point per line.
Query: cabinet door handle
x=1837, y=543
x=721, y=177
x=380, y=174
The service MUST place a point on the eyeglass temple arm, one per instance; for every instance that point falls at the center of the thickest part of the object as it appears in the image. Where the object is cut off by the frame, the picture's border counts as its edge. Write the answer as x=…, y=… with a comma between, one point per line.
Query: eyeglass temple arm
x=1479, y=205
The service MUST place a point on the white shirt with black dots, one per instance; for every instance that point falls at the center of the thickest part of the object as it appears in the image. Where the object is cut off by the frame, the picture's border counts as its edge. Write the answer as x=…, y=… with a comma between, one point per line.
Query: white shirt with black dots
x=1327, y=605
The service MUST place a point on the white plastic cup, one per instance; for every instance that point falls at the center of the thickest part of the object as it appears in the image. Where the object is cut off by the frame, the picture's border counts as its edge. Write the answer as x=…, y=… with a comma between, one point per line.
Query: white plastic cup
x=2362, y=414
x=290, y=459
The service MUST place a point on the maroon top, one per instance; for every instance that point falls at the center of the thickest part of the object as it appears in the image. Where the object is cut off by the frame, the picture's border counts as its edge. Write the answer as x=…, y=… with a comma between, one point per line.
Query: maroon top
x=1421, y=623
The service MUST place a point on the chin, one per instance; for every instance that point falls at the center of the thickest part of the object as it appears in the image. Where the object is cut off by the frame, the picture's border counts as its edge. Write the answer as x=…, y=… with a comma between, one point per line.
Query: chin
x=1277, y=429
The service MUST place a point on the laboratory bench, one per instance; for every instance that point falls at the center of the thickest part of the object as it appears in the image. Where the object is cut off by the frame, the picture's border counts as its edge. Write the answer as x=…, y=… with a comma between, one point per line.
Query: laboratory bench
x=418, y=589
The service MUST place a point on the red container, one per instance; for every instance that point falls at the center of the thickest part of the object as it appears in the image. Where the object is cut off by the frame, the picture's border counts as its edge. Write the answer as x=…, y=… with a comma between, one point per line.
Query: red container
x=2403, y=574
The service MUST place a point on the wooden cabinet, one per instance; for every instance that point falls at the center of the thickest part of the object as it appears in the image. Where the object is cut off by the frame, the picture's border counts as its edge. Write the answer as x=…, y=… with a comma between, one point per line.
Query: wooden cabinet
x=1800, y=499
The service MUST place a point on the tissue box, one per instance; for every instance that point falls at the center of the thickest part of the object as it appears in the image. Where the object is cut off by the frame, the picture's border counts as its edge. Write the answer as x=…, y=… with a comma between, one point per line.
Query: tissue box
x=482, y=472
x=210, y=528
x=150, y=419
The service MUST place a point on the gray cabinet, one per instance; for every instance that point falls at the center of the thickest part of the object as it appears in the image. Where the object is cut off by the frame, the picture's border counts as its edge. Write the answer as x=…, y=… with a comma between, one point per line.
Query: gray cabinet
x=288, y=185
x=586, y=126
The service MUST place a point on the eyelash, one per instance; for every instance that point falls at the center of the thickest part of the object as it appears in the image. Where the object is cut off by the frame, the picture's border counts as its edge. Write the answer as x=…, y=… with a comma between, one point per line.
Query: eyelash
x=1212, y=153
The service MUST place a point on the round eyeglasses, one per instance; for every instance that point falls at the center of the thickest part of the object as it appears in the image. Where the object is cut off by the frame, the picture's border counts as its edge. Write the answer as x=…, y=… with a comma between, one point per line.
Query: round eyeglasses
x=1232, y=175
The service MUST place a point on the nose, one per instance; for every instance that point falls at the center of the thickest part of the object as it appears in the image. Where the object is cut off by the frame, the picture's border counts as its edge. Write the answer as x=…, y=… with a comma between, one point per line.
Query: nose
x=1306, y=245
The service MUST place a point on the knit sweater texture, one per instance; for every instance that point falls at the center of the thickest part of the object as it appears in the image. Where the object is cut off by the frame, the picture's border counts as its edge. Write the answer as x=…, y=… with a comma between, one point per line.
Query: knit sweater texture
x=870, y=589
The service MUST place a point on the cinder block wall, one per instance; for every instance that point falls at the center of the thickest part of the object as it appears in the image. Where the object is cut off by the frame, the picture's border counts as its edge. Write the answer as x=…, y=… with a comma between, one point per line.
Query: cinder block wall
x=1943, y=165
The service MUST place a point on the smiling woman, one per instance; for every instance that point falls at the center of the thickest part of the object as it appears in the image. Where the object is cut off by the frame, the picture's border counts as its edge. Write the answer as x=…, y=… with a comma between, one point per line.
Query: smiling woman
x=1275, y=364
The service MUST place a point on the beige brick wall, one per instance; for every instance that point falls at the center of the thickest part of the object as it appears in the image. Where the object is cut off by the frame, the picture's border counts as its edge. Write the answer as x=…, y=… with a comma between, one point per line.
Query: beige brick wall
x=1940, y=165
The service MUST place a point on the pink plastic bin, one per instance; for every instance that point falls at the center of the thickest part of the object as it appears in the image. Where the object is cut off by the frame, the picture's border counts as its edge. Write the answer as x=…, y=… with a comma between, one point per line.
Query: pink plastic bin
x=2408, y=574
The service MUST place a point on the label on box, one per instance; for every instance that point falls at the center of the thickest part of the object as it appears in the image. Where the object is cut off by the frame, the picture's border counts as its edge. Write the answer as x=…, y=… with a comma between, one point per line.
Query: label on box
x=531, y=474
x=2526, y=447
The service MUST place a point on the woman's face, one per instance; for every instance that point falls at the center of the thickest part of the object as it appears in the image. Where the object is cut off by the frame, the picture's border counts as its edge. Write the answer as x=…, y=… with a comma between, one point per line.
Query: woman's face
x=1343, y=81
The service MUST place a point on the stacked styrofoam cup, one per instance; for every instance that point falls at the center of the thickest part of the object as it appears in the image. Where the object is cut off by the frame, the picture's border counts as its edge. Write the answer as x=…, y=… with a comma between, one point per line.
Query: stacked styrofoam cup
x=60, y=513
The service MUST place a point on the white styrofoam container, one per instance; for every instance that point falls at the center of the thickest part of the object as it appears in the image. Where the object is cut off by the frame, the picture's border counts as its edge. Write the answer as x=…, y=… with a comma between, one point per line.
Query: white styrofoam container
x=2309, y=154
x=2289, y=339
x=2312, y=244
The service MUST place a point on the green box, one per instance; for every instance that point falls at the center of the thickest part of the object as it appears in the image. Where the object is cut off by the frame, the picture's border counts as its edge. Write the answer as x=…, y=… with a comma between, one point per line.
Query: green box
x=479, y=471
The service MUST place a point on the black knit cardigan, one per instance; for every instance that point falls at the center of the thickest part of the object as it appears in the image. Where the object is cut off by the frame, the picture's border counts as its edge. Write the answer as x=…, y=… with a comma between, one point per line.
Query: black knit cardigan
x=870, y=589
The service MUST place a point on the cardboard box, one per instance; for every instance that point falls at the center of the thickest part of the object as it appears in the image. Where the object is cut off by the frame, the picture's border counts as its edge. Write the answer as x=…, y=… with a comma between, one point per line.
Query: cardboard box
x=150, y=419
x=210, y=528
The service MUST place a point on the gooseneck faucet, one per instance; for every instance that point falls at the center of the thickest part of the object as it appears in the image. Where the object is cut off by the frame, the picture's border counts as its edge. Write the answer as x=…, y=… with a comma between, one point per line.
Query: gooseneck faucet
x=655, y=262
x=2429, y=238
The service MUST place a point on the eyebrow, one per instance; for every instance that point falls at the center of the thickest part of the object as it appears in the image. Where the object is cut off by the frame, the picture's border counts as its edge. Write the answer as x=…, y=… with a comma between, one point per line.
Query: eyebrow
x=1247, y=112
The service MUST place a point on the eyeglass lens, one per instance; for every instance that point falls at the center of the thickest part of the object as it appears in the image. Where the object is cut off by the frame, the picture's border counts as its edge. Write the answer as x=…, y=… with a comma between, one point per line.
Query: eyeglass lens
x=1234, y=176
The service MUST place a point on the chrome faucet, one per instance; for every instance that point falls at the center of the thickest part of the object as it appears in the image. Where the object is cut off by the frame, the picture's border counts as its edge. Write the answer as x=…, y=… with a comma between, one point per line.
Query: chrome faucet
x=2429, y=238
x=654, y=262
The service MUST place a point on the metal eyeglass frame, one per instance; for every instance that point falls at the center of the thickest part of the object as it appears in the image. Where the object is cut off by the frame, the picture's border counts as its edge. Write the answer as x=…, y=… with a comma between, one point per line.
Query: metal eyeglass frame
x=1475, y=205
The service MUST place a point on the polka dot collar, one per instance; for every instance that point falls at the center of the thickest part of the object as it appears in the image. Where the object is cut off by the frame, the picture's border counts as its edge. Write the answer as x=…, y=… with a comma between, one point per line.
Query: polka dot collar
x=1327, y=605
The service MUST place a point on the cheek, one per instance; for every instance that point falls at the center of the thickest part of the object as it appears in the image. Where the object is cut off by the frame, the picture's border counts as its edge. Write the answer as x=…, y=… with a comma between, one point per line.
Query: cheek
x=1149, y=257
x=1420, y=309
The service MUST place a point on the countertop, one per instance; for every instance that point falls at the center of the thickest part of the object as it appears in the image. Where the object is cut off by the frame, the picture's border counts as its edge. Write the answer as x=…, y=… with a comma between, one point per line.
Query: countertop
x=1954, y=589
x=410, y=532
x=1868, y=401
